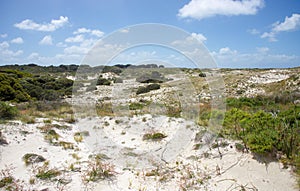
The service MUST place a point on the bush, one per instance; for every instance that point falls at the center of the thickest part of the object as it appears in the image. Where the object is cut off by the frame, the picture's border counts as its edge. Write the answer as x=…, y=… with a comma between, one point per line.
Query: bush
x=118, y=80
x=136, y=106
x=202, y=75
x=7, y=112
x=154, y=136
x=103, y=82
x=146, y=89
x=112, y=69
x=154, y=77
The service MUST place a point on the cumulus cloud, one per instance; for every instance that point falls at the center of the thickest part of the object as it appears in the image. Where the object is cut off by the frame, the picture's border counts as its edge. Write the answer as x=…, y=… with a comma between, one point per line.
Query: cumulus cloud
x=289, y=24
x=262, y=49
x=18, y=40
x=7, y=55
x=52, y=26
x=253, y=31
x=4, y=45
x=199, y=37
x=3, y=35
x=200, y=9
x=227, y=50
x=96, y=33
x=77, y=38
x=47, y=40
x=226, y=57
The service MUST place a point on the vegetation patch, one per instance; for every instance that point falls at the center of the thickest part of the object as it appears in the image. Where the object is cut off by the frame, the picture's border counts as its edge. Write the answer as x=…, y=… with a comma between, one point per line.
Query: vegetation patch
x=103, y=82
x=97, y=170
x=136, y=106
x=31, y=158
x=6, y=181
x=154, y=77
x=148, y=88
x=7, y=111
x=48, y=174
x=155, y=136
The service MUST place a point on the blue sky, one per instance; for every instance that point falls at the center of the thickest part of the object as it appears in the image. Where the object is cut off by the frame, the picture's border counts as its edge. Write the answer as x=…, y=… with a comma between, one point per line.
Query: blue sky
x=237, y=33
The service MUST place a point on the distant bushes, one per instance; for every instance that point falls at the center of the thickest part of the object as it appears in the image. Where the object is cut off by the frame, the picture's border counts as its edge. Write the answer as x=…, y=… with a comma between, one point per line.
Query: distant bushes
x=113, y=69
x=154, y=77
x=148, y=88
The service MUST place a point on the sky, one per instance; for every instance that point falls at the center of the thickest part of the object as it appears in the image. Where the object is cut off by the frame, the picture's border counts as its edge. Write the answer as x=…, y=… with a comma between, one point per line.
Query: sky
x=236, y=33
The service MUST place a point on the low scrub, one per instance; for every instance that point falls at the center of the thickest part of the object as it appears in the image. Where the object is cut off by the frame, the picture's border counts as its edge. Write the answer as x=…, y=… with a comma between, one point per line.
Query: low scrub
x=148, y=88
x=7, y=111
x=156, y=136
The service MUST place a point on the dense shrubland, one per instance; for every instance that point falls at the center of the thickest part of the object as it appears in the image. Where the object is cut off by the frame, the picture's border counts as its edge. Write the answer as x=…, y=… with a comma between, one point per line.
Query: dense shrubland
x=19, y=86
x=267, y=126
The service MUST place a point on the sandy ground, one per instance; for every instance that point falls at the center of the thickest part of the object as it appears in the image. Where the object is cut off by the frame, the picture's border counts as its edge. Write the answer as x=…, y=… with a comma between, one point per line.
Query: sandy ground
x=177, y=165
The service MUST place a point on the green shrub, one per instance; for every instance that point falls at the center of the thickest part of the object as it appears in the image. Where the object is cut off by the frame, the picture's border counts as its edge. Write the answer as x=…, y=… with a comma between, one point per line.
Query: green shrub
x=118, y=80
x=136, y=106
x=6, y=181
x=154, y=136
x=31, y=158
x=154, y=77
x=148, y=88
x=47, y=174
x=7, y=112
x=202, y=75
x=103, y=82
x=112, y=69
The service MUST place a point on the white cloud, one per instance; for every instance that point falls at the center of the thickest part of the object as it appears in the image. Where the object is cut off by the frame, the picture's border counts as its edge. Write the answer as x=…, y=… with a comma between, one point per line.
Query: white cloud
x=124, y=31
x=199, y=37
x=96, y=33
x=8, y=56
x=4, y=45
x=262, y=50
x=18, y=40
x=52, y=26
x=61, y=44
x=226, y=57
x=253, y=31
x=289, y=24
x=200, y=9
x=47, y=40
x=270, y=36
x=77, y=38
x=227, y=50
x=3, y=35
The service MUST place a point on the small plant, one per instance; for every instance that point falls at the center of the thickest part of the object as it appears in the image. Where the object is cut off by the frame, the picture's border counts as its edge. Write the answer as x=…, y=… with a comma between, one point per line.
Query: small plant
x=31, y=158
x=48, y=174
x=51, y=135
x=6, y=181
x=48, y=121
x=240, y=147
x=78, y=137
x=97, y=170
x=136, y=106
x=66, y=145
x=156, y=136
